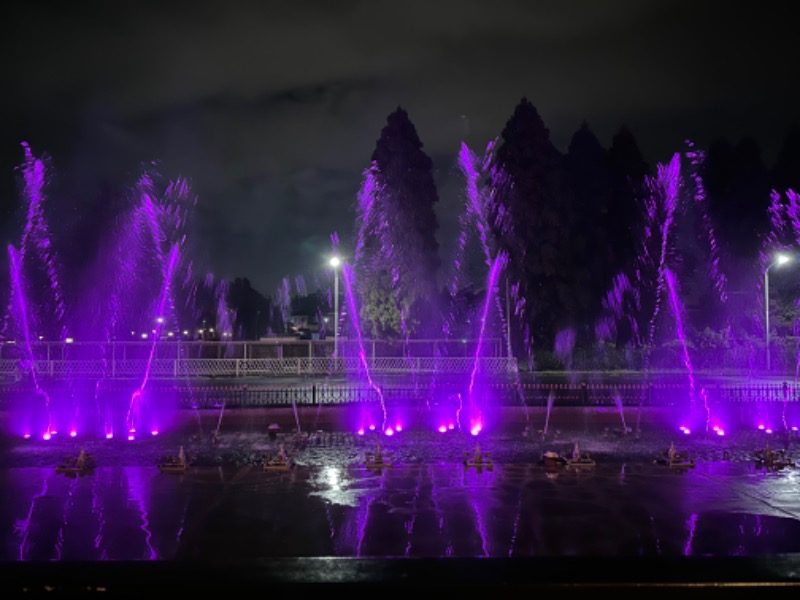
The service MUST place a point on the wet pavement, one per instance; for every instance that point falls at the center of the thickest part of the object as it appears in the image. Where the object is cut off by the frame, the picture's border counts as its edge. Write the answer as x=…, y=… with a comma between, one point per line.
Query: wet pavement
x=424, y=504
x=331, y=524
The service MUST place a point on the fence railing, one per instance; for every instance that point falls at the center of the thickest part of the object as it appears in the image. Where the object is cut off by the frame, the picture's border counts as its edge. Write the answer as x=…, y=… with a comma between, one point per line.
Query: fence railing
x=204, y=368
x=780, y=397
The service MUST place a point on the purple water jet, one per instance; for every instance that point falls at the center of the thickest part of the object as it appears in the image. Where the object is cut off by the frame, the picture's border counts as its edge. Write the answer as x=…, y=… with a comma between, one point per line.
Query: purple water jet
x=75, y=308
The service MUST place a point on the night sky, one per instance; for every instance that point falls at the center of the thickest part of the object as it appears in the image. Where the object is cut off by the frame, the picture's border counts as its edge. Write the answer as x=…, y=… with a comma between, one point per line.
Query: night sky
x=272, y=109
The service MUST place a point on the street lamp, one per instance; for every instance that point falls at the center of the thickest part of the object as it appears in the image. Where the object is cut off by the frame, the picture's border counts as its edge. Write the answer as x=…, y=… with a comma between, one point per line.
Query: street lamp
x=780, y=259
x=335, y=262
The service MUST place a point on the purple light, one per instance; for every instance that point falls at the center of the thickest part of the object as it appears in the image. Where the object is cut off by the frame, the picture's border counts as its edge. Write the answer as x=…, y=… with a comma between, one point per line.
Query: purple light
x=130, y=437
x=720, y=432
x=389, y=431
x=46, y=436
x=360, y=431
x=27, y=436
x=442, y=429
x=151, y=238
x=109, y=436
x=761, y=427
x=154, y=432
x=769, y=430
x=372, y=427
x=398, y=427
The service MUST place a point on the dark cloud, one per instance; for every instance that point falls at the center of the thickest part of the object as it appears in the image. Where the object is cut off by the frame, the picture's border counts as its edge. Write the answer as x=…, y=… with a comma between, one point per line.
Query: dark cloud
x=272, y=109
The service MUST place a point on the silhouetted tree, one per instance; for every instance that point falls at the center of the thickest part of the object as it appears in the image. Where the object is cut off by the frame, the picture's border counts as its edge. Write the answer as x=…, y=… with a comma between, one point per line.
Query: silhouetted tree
x=531, y=218
x=591, y=179
x=253, y=310
x=398, y=258
x=629, y=171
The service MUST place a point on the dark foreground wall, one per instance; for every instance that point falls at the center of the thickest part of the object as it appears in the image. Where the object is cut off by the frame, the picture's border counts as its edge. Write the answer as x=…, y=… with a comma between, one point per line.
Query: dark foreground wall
x=573, y=577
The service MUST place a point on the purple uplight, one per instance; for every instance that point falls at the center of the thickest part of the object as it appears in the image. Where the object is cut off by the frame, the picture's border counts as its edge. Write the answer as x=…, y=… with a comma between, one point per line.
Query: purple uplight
x=73, y=433
x=135, y=408
x=362, y=354
x=50, y=300
x=442, y=429
x=389, y=431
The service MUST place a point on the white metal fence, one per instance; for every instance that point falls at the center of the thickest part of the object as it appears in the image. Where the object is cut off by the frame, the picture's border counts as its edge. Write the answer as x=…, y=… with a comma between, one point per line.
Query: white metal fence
x=199, y=368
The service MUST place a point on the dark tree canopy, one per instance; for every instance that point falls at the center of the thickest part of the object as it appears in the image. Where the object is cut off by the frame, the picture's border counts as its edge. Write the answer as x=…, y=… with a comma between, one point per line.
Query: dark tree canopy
x=398, y=226
x=405, y=173
x=591, y=178
x=532, y=218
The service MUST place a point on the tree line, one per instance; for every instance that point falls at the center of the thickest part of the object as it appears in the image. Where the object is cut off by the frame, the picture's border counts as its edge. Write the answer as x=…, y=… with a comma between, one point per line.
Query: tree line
x=570, y=225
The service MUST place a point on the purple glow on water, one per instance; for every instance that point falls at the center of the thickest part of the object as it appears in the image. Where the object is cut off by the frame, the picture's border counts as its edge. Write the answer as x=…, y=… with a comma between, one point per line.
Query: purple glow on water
x=691, y=526
x=481, y=528
x=24, y=526
x=137, y=492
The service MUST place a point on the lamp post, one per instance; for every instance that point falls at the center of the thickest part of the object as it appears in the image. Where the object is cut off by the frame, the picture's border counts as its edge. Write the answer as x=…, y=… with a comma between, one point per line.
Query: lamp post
x=780, y=259
x=335, y=262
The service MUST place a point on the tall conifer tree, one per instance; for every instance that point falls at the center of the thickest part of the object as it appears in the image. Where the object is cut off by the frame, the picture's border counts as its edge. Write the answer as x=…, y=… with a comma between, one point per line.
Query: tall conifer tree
x=531, y=218
x=399, y=252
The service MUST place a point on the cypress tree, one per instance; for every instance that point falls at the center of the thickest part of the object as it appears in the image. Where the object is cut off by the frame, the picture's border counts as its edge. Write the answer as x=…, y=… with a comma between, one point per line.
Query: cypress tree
x=531, y=218
x=399, y=252
x=591, y=179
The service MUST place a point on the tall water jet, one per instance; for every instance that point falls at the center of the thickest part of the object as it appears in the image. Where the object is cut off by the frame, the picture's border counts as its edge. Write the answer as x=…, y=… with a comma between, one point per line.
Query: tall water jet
x=21, y=309
x=477, y=416
x=134, y=416
x=362, y=362
x=80, y=305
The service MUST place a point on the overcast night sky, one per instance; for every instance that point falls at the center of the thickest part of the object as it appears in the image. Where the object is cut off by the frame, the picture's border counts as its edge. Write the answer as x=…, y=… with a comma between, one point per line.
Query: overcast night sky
x=272, y=109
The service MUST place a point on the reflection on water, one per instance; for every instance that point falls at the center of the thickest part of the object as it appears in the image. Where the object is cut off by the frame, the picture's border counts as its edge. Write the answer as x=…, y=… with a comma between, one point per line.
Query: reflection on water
x=416, y=510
